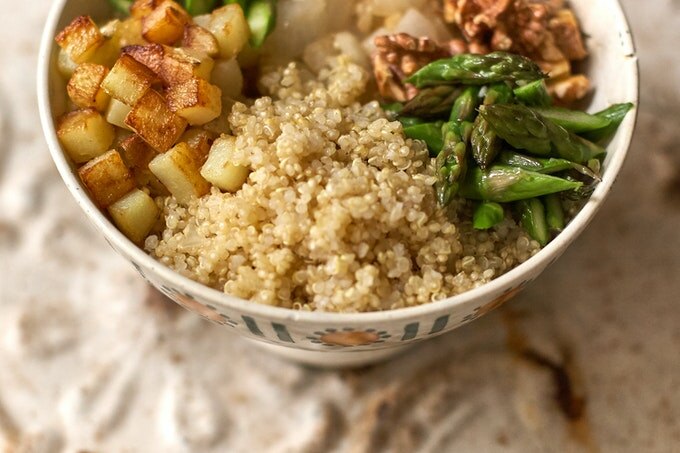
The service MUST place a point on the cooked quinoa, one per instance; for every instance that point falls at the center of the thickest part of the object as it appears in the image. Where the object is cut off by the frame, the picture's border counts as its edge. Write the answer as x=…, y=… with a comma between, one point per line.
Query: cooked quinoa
x=338, y=213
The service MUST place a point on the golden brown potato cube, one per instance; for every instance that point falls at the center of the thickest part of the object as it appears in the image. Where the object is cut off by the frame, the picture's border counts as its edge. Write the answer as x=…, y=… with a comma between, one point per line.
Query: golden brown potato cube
x=200, y=40
x=152, y=120
x=128, y=80
x=116, y=113
x=135, y=215
x=218, y=169
x=150, y=55
x=107, y=178
x=65, y=65
x=84, y=134
x=80, y=39
x=195, y=100
x=200, y=141
x=180, y=65
x=230, y=28
x=179, y=171
x=85, y=86
x=165, y=24
x=137, y=154
x=228, y=77
x=141, y=8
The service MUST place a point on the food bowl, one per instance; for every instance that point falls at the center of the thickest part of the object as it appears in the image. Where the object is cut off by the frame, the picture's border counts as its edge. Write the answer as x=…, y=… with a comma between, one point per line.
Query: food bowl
x=332, y=339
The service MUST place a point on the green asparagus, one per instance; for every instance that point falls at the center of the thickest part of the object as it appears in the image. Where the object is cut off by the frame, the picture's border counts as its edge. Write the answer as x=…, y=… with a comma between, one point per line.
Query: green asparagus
x=487, y=215
x=532, y=218
x=198, y=7
x=472, y=69
x=502, y=183
x=554, y=213
x=243, y=3
x=543, y=165
x=615, y=114
x=430, y=133
x=122, y=6
x=484, y=142
x=534, y=94
x=525, y=129
x=465, y=107
x=451, y=163
x=261, y=16
x=498, y=93
x=573, y=120
x=432, y=102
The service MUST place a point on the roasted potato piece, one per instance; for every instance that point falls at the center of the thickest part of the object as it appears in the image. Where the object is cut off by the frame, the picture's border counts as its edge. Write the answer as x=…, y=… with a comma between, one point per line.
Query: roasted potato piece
x=180, y=65
x=570, y=89
x=219, y=171
x=80, y=39
x=65, y=65
x=128, y=80
x=165, y=24
x=228, y=77
x=141, y=8
x=116, y=113
x=195, y=100
x=230, y=28
x=150, y=55
x=107, y=178
x=135, y=215
x=152, y=120
x=85, y=86
x=137, y=154
x=200, y=140
x=84, y=134
x=179, y=171
x=200, y=40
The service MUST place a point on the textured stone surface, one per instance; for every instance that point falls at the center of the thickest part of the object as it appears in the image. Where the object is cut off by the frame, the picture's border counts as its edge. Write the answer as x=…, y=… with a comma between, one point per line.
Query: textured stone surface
x=586, y=359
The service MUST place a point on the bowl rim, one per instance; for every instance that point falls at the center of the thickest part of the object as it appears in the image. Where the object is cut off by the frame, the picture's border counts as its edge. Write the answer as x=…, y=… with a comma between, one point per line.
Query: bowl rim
x=515, y=276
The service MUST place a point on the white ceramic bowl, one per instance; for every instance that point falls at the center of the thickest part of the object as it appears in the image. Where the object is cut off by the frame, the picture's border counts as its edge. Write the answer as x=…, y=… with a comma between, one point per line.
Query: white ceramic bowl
x=330, y=339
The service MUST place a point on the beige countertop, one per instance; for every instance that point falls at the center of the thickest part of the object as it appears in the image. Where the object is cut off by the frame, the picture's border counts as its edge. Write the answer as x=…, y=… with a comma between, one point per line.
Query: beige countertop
x=586, y=359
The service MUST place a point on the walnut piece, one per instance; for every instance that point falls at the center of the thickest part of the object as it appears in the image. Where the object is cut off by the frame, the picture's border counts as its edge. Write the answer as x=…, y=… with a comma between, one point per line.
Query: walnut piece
x=400, y=55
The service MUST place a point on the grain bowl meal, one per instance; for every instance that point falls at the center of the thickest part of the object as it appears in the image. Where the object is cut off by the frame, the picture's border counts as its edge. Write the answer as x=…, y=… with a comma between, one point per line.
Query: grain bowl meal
x=334, y=155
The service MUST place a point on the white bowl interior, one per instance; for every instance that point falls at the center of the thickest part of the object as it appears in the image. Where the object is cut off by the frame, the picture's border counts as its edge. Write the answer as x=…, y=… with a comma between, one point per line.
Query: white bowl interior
x=612, y=68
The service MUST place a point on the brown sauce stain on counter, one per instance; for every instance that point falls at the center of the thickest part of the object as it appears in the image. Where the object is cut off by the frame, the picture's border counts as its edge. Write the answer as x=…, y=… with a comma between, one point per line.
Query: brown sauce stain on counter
x=569, y=393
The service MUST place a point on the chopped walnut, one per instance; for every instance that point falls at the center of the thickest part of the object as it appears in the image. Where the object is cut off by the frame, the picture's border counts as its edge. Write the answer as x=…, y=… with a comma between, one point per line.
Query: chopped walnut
x=567, y=33
x=398, y=56
x=570, y=89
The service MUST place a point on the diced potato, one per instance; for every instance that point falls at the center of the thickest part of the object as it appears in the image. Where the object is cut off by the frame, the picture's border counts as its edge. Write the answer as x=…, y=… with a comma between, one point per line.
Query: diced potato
x=152, y=120
x=202, y=20
x=200, y=40
x=84, y=88
x=128, y=80
x=165, y=24
x=228, y=77
x=230, y=28
x=179, y=171
x=218, y=169
x=137, y=154
x=180, y=65
x=150, y=55
x=84, y=134
x=196, y=100
x=135, y=215
x=116, y=113
x=200, y=140
x=107, y=178
x=65, y=65
x=80, y=39
x=141, y=8
x=570, y=89
x=556, y=69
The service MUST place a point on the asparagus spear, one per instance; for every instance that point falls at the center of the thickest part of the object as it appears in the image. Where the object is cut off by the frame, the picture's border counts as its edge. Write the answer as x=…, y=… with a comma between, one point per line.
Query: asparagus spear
x=432, y=102
x=451, y=163
x=525, y=129
x=465, y=107
x=122, y=6
x=430, y=133
x=198, y=7
x=554, y=213
x=487, y=215
x=244, y=3
x=484, y=141
x=534, y=94
x=573, y=120
x=615, y=114
x=502, y=184
x=472, y=69
x=261, y=16
x=532, y=218
x=543, y=165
